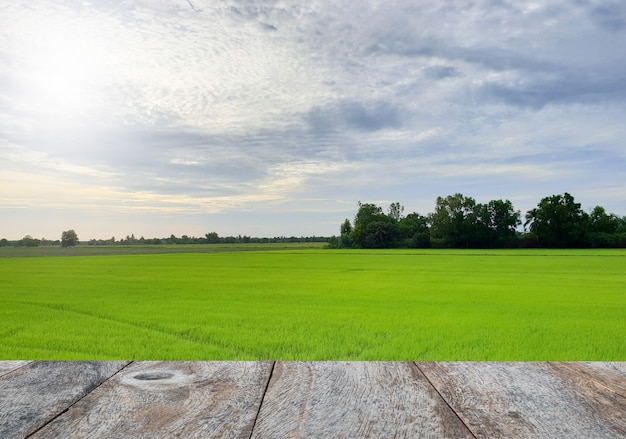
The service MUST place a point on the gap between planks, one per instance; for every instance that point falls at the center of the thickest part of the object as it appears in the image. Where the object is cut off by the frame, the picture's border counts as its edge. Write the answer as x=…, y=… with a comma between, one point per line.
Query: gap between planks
x=443, y=398
x=79, y=400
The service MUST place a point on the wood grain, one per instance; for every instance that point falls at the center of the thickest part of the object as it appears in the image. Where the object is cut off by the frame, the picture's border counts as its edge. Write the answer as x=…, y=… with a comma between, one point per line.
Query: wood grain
x=9, y=366
x=354, y=400
x=33, y=394
x=601, y=389
x=169, y=399
x=611, y=376
x=525, y=400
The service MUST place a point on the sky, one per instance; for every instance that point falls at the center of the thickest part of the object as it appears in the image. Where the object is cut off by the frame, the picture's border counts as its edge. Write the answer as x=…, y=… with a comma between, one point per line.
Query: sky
x=275, y=118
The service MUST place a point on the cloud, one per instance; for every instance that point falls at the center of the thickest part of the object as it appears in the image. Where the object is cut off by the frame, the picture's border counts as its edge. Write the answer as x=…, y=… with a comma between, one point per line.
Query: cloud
x=567, y=89
x=354, y=115
x=441, y=72
x=610, y=15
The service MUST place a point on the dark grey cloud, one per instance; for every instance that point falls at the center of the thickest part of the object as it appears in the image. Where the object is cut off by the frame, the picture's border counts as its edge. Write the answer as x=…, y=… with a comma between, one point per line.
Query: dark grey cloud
x=566, y=89
x=352, y=115
x=610, y=15
x=267, y=26
x=441, y=72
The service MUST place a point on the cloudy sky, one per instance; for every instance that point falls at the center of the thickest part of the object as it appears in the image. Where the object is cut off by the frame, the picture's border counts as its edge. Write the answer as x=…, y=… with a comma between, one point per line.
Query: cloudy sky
x=268, y=117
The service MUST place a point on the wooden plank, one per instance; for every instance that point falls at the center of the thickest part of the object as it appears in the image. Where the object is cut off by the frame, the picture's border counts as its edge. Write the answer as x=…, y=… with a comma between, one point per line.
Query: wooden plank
x=169, y=399
x=34, y=394
x=523, y=400
x=354, y=400
x=611, y=376
x=9, y=366
x=601, y=388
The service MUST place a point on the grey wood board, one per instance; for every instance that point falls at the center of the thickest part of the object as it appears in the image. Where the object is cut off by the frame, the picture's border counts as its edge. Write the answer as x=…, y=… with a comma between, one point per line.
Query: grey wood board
x=609, y=375
x=32, y=395
x=599, y=388
x=525, y=400
x=169, y=399
x=354, y=400
x=9, y=366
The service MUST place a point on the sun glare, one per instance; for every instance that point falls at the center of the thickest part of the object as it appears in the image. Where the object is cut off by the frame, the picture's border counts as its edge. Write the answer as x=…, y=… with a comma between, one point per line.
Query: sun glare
x=63, y=72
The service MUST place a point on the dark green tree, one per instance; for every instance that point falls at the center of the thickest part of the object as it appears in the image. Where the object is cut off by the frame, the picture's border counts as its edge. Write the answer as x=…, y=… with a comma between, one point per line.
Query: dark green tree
x=558, y=221
x=395, y=211
x=69, y=238
x=212, y=238
x=373, y=229
x=345, y=236
x=601, y=222
x=604, y=229
x=414, y=231
x=455, y=222
x=28, y=241
x=500, y=220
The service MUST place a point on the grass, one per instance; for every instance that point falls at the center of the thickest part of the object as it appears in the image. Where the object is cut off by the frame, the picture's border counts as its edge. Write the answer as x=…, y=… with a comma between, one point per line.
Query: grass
x=315, y=304
x=139, y=249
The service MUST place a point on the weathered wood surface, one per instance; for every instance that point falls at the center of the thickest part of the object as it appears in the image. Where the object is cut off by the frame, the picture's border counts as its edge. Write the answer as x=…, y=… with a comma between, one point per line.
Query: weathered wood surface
x=32, y=395
x=10, y=366
x=354, y=400
x=169, y=399
x=312, y=400
x=533, y=400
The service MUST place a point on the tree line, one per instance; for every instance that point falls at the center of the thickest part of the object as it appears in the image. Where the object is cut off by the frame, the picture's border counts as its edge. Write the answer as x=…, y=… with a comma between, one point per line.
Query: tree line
x=208, y=238
x=459, y=221
x=69, y=238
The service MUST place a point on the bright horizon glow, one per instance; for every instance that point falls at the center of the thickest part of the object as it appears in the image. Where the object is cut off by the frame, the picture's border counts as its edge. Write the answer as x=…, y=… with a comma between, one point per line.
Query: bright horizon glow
x=266, y=119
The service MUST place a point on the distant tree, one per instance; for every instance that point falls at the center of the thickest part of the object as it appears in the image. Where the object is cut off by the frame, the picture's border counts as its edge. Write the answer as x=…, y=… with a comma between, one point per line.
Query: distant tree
x=212, y=238
x=558, y=221
x=69, y=238
x=395, y=211
x=28, y=241
x=346, y=227
x=366, y=214
x=345, y=234
x=414, y=231
x=4, y=242
x=601, y=222
x=382, y=233
x=454, y=223
x=500, y=220
x=373, y=229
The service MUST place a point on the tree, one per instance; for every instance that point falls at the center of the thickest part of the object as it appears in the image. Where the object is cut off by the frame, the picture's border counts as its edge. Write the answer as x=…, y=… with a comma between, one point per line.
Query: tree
x=372, y=228
x=212, y=238
x=601, y=222
x=28, y=241
x=414, y=231
x=345, y=236
x=69, y=238
x=455, y=221
x=501, y=221
x=558, y=221
x=346, y=227
x=395, y=211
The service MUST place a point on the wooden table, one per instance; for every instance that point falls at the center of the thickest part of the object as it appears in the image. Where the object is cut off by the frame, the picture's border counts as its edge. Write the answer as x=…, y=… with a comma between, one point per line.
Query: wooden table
x=311, y=400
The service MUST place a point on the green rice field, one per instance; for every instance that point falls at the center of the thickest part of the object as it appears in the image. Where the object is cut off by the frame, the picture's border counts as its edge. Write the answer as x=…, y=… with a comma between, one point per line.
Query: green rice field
x=297, y=303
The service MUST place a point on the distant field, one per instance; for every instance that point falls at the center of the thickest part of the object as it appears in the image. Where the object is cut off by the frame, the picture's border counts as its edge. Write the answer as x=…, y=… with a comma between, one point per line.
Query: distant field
x=316, y=304
x=138, y=249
